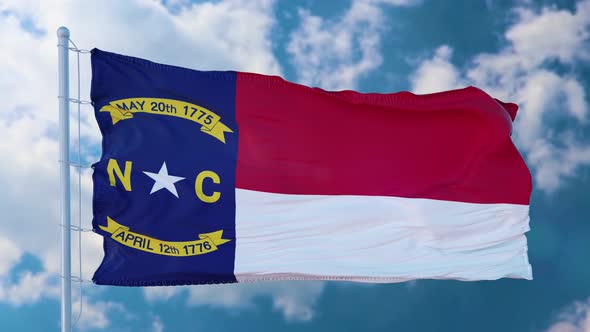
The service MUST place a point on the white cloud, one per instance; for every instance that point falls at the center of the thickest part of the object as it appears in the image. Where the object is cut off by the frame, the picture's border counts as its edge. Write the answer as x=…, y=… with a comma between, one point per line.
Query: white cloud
x=437, y=74
x=295, y=300
x=576, y=318
x=163, y=293
x=29, y=288
x=335, y=54
x=551, y=34
x=157, y=325
x=10, y=253
x=243, y=45
x=97, y=315
x=520, y=72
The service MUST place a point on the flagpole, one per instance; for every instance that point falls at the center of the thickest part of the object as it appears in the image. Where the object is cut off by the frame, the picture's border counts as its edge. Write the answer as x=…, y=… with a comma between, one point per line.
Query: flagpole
x=63, y=37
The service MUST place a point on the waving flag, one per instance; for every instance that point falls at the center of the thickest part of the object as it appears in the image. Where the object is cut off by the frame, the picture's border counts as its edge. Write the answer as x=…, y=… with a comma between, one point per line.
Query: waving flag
x=216, y=177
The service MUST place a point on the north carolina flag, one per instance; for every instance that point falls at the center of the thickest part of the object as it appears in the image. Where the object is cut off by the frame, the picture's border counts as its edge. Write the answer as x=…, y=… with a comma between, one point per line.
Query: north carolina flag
x=217, y=177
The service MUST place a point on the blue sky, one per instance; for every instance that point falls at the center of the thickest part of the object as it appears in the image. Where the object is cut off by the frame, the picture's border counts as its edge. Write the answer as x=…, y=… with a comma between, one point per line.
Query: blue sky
x=534, y=53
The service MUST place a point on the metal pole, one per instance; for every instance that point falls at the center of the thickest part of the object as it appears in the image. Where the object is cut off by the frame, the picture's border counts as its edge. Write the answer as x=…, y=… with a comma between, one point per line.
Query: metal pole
x=63, y=37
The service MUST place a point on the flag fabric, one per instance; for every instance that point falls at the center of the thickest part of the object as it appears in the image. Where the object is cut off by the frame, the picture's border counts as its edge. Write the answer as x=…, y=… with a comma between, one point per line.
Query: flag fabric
x=223, y=176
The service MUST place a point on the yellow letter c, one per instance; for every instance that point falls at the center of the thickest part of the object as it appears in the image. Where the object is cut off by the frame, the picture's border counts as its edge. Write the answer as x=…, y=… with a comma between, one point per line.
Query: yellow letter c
x=199, y=187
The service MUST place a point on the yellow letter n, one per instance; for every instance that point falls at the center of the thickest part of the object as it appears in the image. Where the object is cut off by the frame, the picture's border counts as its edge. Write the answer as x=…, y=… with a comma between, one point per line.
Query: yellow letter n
x=125, y=177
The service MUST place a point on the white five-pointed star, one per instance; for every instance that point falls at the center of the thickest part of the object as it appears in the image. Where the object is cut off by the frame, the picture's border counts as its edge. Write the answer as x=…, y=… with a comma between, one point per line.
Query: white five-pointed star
x=163, y=180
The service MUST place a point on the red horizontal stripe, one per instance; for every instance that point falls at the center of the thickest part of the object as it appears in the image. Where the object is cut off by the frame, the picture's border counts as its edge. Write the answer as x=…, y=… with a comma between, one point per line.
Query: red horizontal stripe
x=453, y=145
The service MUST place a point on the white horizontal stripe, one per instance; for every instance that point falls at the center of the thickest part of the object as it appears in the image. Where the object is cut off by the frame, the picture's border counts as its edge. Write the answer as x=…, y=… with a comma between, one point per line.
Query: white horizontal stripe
x=377, y=239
